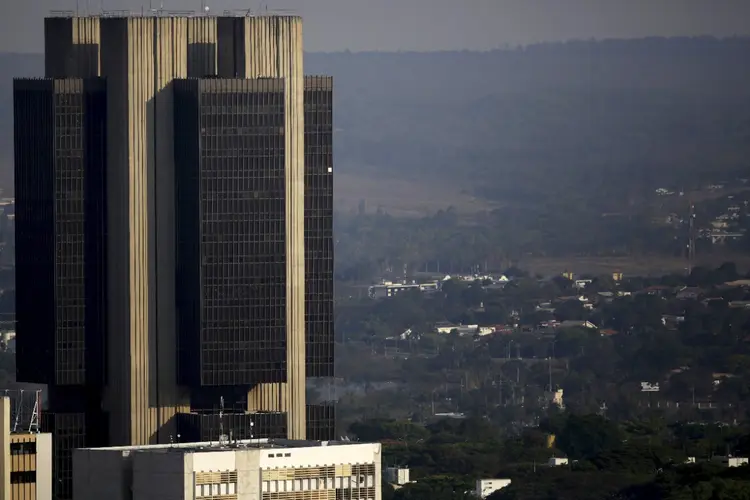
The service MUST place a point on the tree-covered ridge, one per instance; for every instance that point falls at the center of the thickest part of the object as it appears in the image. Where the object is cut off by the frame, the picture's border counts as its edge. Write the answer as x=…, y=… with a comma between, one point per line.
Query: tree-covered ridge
x=629, y=460
x=578, y=115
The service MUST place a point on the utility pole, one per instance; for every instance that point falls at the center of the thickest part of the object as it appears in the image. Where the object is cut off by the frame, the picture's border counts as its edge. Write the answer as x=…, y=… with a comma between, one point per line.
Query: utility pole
x=550, y=374
x=691, y=239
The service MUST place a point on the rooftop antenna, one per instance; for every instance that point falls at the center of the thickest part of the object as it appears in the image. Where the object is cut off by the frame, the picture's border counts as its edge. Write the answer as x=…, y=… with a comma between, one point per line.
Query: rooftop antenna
x=691, y=239
x=222, y=436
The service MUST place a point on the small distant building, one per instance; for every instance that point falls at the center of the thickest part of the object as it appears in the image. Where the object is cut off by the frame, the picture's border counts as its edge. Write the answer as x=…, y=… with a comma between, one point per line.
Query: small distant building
x=446, y=327
x=397, y=475
x=555, y=398
x=582, y=283
x=578, y=324
x=503, y=329
x=689, y=293
x=486, y=487
x=738, y=283
x=730, y=461
x=657, y=290
x=557, y=461
x=25, y=461
x=389, y=289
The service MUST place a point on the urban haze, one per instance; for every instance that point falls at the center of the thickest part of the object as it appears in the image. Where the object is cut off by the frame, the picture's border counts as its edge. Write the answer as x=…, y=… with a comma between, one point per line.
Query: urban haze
x=417, y=250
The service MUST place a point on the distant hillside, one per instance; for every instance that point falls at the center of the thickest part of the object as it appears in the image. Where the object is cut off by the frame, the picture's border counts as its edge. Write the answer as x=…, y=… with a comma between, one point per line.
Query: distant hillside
x=603, y=117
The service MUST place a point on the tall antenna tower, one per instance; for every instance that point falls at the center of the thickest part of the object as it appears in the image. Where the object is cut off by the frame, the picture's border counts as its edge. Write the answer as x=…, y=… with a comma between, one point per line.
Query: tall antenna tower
x=691, y=239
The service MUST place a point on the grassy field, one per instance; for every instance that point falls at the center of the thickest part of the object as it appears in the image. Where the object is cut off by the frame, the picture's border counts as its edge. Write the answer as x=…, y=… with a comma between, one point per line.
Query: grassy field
x=402, y=197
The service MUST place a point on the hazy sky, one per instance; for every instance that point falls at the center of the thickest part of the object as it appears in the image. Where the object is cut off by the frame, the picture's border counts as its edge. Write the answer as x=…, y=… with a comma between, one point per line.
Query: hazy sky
x=332, y=25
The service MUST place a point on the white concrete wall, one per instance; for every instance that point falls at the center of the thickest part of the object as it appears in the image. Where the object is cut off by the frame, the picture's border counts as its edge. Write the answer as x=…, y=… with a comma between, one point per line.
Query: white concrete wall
x=248, y=475
x=317, y=456
x=44, y=466
x=213, y=461
x=5, y=424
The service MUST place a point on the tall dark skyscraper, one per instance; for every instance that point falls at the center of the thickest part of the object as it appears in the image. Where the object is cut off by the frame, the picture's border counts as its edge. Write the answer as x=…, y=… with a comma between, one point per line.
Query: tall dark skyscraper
x=174, y=231
x=60, y=253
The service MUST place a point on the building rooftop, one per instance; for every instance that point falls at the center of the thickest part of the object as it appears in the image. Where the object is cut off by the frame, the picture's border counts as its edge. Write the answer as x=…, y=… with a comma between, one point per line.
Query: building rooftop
x=72, y=14
x=213, y=446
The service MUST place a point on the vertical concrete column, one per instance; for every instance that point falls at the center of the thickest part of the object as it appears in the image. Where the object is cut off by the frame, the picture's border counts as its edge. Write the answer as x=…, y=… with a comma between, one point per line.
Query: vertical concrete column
x=71, y=47
x=4, y=448
x=140, y=57
x=202, y=41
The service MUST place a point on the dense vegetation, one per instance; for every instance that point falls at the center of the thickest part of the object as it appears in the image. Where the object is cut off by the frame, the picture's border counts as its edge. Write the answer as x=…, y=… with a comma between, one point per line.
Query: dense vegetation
x=370, y=244
x=630, y=460
x=696, y=347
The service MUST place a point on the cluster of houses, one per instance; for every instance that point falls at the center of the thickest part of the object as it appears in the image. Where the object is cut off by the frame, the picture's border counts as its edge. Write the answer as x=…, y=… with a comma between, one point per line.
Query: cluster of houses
x=727, y=226
x=387, y=288
x=591, y=301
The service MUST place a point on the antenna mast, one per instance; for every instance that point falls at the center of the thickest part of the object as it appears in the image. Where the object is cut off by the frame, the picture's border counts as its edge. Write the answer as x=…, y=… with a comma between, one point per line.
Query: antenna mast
x=691, y=239
x=222, y=436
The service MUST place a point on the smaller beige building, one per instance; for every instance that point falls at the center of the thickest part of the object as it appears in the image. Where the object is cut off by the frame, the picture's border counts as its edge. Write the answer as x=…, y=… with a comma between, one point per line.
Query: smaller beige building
x=25, y=461
x=258, y=469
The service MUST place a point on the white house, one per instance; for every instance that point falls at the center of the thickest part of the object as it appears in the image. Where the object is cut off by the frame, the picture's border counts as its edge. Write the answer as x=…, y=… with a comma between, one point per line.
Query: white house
x=486, y=487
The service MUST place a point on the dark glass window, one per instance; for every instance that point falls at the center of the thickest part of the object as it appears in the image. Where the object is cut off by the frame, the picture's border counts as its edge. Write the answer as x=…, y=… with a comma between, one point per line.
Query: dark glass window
x=232, y=231
x=23, y=477
x=27, y=448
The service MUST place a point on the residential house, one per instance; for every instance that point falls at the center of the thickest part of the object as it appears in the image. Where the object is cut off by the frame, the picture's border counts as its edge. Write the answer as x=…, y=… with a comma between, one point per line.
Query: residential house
x=577, y=324
x=582, y=283
x=689, y=293
x=730, y=461
x=486, y=487
x=672, y=321
x=445, y=328
x=557, y=461
x=657, y=290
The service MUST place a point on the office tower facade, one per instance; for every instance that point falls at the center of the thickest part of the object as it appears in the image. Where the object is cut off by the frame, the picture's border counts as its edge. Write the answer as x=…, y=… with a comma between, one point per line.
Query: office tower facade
x=231, y=239
x=61, y=253
x=319, y=345
x=175, y=186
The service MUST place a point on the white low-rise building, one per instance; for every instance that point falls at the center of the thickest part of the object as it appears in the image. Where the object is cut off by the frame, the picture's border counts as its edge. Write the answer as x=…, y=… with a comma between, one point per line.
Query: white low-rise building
x=557, y=461
x=258, y=469
x=731, y=461
x=486, y=487
x=397, y=475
